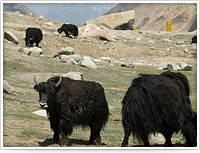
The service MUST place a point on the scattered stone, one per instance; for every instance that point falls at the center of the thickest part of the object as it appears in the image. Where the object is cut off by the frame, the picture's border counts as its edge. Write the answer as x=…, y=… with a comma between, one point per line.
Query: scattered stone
x=74, y=75
x=7, y=89
x=138, y=39
x=172, y=67
x=41, y=113
x=167, y=40
x=87, y=62
x=168, y=49
x=139, y=62
x=152, y=48
x=26, y=51
x=129, y=65
x=41, y=17
x=11, y=37
x=64, y=51
x=185, y=50
x=97, y=60
x=36, y=51
x=180, y=42
x=184, y=66
x=72, y=62
x=66, y=58
x=108, y=59
x=49, y=24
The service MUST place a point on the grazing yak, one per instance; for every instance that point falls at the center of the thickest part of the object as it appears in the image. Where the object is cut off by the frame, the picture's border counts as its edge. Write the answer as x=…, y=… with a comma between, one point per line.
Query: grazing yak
x=69, y=29
x=70, y=103
x=194, y=40
x=33, y=35
x=159, y=103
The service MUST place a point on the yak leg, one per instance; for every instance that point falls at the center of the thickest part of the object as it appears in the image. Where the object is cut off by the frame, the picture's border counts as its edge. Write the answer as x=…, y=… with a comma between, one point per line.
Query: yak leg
x=145, y=139
x=95, y=135
x=63, y=139
x=190, y=134
x=127, y=133
x=168, y=142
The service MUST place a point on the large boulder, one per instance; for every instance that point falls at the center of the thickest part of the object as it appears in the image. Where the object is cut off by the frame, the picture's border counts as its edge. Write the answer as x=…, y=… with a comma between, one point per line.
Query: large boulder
x=36, y=51
x=91, y=30
x=114, y=20
x=11, y=37
x=87, y=62
x=7, y=88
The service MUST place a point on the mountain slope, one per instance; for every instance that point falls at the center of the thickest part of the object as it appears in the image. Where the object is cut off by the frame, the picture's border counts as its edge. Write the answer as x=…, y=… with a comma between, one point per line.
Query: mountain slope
x=153, y=16
x=13, y=7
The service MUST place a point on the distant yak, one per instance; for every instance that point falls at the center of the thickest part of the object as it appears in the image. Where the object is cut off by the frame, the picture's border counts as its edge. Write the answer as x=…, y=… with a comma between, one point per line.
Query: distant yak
x=194, y=40
x=33, y=35
x=159, y=103
x=69, y=29
x=71, y=103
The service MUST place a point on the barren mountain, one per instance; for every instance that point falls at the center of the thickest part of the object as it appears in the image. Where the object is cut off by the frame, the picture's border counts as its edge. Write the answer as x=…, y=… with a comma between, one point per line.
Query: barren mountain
x=13, y=7
x=153, y=16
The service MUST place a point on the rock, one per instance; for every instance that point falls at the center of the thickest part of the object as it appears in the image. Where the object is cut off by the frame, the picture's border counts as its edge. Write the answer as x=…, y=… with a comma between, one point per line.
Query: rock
x=168, y=49
x=152, y=48
x=64, y=51
x=91, y=30
x=185, y=50
x=49, y=24
x=26, y=51
x=139, y=62
x=184, y=66
x=74, y=75
x=87, y=62
x=130, y=65
x=167, y=40
x=66, y=58
x=36, y=51
x=72, y=61
x=11, y=37
x=7, y=89
x=108, y=59
x=41, y=113
x=113, y=20
x=172, y=67
x=180, y=42
x=41, y=17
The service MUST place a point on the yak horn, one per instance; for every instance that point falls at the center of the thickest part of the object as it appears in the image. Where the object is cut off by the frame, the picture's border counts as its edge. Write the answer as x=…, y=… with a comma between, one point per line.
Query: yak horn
x=59, y=82
x=35, y=80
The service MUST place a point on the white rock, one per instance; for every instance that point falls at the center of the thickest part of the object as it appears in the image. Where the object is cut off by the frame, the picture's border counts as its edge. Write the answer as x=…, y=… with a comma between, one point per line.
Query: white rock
x=41, y=113
x=36, y=51
x=74, y=75
x=87, y=62
x=185, y=50
x=49, y=24
x=108, y=59
x=66, y=58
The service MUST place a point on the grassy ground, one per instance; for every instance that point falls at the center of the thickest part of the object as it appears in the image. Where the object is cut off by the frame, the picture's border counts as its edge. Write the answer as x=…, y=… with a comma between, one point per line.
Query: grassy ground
x=22, y=128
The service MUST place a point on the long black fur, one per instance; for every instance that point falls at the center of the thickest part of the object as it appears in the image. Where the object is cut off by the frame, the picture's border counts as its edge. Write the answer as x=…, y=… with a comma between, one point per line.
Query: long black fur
x=69, y=29
x=75, y=103
x=159, y=103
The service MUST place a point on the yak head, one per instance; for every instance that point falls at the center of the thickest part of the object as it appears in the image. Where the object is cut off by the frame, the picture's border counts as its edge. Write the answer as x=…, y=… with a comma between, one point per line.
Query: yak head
x=47, y=93
x=59, y=30
x=28, y=41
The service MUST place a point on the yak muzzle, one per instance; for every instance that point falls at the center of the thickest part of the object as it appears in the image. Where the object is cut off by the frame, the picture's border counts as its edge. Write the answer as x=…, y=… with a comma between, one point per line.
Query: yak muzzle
x=43, y=105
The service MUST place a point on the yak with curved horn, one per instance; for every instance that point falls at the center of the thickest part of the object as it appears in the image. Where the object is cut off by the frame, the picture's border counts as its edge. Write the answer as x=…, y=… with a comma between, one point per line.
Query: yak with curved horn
x=70, y=103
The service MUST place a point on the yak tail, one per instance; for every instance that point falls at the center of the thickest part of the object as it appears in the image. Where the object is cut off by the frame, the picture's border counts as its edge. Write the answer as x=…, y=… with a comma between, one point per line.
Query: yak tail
x=134, y=106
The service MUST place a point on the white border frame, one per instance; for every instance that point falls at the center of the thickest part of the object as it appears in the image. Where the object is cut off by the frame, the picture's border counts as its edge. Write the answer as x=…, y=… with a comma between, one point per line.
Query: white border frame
x=98, y=148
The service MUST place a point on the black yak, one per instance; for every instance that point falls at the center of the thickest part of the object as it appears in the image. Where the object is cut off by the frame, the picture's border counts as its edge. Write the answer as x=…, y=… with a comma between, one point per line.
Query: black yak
x=194, y=40
x=69, y=29
x=70, y=103
x=33, y=35
x=159, y=103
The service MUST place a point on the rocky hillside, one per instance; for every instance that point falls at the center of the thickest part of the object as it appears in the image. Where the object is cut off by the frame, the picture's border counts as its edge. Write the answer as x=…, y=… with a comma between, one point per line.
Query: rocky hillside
x=153, y=16
x=13, y=7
